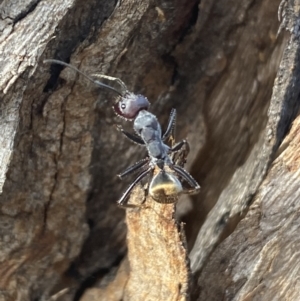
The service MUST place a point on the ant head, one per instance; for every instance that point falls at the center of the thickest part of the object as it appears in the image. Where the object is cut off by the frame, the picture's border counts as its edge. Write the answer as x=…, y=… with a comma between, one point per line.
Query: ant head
x=129, y=105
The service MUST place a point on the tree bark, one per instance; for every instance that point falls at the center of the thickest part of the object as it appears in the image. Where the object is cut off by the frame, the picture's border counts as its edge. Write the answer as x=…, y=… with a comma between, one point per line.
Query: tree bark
x=234, y=83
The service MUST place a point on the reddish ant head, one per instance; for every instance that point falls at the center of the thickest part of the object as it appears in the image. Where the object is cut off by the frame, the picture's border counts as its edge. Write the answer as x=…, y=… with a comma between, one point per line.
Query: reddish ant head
x=129, y=105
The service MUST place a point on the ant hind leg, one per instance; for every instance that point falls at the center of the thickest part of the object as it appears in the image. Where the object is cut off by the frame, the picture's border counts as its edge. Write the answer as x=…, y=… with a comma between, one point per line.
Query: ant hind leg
x=122, y=202
x=195, y=187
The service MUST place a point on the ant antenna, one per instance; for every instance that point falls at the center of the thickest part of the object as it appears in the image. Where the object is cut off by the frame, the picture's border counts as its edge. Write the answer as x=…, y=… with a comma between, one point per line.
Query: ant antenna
x=113, y=79
x=100, y=84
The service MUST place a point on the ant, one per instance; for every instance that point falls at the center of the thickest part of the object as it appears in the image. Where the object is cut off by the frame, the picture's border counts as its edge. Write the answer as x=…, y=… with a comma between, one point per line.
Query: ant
x=163, y=163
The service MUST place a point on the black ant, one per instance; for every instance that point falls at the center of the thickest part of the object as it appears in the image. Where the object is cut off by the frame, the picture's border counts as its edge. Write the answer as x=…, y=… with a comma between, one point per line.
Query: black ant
x=163, y=163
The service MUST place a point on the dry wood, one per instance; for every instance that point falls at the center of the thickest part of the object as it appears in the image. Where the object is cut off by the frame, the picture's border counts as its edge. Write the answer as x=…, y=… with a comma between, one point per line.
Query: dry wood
x=260, y=260
x=156, y=251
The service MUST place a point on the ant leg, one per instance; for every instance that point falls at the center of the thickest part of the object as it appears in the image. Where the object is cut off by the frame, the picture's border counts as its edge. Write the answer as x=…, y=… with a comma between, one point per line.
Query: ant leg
x=133, y=168
x=180, y=152
x=130, y=136
x=170, y=132
x=178, y=146
x=188, y=178
x=121, y=201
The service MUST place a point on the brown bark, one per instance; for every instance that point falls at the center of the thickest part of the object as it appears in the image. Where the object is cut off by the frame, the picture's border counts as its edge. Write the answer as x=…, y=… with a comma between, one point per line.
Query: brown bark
x=260, y=260
x=215, y=62
x=157, y=254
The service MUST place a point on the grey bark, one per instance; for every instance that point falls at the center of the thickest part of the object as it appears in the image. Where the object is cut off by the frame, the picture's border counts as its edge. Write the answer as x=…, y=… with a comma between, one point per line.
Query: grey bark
x=215, y=62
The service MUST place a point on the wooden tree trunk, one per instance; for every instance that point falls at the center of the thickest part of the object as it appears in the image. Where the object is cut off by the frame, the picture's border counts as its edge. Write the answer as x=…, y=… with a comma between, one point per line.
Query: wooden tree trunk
x=235, y=84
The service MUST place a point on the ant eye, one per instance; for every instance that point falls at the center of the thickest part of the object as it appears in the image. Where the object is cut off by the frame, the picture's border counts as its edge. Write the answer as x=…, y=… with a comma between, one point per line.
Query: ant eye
x=130, y=104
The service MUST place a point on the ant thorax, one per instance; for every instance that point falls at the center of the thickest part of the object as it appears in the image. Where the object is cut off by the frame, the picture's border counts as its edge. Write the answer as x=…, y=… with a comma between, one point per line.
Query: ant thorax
x=148, y=128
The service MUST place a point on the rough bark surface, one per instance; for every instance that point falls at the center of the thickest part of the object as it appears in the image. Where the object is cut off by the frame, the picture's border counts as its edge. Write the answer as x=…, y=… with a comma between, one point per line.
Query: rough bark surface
x=260, y=260
x=156, y=252
x=215, y=62
x=235, y=198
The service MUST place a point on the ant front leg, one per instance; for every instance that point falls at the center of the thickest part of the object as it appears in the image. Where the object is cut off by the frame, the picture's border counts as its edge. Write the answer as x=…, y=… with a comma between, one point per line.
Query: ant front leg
x=130, y=136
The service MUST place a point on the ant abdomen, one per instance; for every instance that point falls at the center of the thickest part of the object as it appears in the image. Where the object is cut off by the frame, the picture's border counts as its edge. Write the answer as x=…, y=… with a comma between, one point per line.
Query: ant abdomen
x=165, y=187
